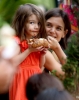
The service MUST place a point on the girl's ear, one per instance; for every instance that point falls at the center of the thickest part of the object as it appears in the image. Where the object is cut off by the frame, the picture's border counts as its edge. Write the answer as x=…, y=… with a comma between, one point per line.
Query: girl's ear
x=65, y=32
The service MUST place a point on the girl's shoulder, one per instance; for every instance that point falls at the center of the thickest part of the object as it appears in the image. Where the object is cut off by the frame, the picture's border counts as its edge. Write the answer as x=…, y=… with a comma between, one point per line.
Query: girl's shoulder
x=24, y=45
x=17, y=39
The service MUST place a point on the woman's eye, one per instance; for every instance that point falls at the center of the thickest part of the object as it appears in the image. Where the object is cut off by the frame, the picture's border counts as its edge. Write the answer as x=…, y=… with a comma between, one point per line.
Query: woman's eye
x=58, y=28
x=48, y=25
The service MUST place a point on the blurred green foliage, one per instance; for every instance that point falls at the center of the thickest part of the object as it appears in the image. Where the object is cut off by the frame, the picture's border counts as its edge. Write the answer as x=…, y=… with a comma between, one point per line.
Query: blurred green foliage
x=8, y=8
x=71, y=68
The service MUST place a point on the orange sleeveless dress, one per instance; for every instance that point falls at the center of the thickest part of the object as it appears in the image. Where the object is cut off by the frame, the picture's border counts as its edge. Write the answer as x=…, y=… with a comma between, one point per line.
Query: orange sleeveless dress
x=27, y=68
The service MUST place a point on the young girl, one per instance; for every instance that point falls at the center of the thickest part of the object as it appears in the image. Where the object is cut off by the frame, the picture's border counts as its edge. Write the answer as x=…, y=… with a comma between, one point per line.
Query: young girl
x=58, y=28
x=29, y=23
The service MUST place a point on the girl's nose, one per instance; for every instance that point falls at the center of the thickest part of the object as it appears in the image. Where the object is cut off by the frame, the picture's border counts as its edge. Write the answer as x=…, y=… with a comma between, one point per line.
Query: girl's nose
x=36, y=26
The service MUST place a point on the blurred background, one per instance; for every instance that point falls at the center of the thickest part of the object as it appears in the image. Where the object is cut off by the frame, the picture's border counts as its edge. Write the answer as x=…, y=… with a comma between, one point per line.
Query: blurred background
x=8, y=7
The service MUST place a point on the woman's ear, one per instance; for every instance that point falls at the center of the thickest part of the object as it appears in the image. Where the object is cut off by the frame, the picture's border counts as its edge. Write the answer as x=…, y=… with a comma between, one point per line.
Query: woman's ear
x=65, y=32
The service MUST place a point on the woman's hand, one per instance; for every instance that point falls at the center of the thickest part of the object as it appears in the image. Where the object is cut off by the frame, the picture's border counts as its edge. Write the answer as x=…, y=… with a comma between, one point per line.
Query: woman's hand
x=55, y=46
x=53, y=42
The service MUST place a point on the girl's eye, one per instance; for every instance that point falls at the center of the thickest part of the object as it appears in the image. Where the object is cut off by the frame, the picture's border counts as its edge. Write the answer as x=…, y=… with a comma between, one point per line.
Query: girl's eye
x=31, y=22
x=39, y=23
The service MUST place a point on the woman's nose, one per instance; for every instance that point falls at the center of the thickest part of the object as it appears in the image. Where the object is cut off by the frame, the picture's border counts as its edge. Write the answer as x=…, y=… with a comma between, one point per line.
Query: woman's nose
x=52, y=30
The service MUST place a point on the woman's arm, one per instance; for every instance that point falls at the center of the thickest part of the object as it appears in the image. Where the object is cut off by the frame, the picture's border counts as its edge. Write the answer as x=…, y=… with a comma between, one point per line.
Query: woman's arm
x=55, y=46
x=52, y=64
x=61, y=55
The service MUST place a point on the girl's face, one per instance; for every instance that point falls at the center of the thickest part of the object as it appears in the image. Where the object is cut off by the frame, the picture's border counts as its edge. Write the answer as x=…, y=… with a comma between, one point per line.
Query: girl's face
x=32, y=27
x=55, y=28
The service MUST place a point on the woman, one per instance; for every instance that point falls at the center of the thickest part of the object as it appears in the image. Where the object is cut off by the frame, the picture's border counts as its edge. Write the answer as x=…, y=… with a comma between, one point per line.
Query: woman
x=58, y=28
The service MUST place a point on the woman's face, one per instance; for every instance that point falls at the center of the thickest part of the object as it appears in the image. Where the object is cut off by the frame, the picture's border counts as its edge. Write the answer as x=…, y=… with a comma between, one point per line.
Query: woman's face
x=55, y=28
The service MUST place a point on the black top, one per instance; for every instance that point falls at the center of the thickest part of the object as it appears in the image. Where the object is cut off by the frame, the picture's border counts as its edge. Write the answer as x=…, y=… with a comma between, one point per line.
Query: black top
x=4, y=96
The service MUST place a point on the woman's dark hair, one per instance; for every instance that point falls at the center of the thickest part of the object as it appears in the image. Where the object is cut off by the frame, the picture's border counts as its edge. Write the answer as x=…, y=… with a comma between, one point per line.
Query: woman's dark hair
x=54, y=94
x=21, y=17
x=57, y=12
x=39, y=82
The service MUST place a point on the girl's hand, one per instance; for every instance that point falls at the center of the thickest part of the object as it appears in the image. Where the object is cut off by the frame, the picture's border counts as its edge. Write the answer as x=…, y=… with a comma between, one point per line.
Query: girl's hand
x=44, y=50
x=41, y=48
x=53, y=42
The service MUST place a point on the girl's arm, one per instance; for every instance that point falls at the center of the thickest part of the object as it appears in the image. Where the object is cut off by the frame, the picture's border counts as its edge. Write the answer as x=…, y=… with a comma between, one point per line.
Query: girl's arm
x=55, y=46
x=42, y=60
x=52, y=64
x=21, y=57
x=18, y=59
